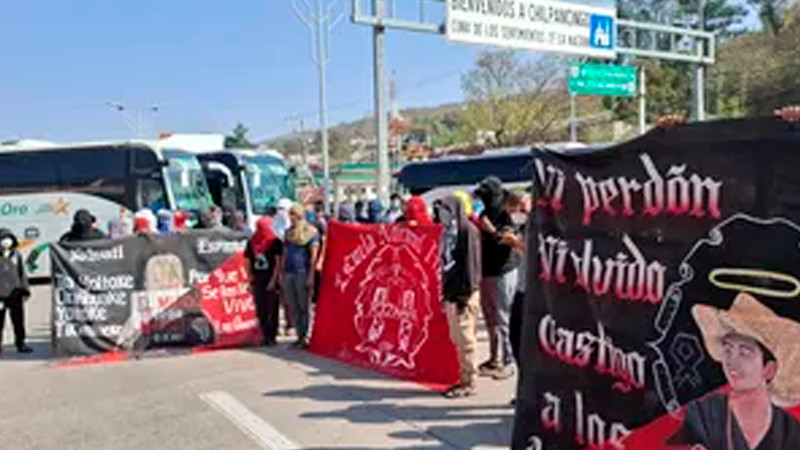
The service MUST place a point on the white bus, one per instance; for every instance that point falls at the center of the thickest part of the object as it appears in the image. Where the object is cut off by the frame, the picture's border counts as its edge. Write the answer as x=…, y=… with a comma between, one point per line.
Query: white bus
x=249, y=181
x=41, y=187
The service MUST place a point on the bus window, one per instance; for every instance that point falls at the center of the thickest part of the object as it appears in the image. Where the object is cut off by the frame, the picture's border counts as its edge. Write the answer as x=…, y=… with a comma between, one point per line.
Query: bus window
x=150, y=194
x=187, y=182
x=266, y=181
x=101, y=172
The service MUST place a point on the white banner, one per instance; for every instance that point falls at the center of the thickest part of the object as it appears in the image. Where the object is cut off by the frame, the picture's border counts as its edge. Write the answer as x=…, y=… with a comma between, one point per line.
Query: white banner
x=542, y=25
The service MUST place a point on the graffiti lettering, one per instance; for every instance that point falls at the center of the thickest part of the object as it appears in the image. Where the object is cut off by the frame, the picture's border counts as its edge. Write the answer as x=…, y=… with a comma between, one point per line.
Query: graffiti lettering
x=582, y=348
x=626, y=276
x=676, y=193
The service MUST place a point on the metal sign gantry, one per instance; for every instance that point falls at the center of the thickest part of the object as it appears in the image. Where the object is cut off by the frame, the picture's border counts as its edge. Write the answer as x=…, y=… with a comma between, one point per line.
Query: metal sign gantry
x=639, y=39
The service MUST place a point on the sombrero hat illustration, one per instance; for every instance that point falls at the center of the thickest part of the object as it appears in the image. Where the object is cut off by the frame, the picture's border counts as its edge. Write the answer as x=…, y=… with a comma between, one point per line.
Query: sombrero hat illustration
x=750, y=318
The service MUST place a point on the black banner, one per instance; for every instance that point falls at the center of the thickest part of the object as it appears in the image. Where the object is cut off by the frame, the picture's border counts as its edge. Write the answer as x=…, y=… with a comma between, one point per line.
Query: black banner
x=664, y=293
x=147, y=292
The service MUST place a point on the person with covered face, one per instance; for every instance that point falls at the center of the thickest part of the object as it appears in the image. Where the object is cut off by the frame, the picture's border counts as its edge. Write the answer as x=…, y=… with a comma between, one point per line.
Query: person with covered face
x=499, y=282
x=760, y=357
x=461, y=275
x=14, y=289
x=263, y=253
x=84, y=228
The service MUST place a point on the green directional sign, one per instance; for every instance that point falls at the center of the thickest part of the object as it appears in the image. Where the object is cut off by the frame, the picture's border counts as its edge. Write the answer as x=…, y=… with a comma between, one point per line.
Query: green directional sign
x=602, y=79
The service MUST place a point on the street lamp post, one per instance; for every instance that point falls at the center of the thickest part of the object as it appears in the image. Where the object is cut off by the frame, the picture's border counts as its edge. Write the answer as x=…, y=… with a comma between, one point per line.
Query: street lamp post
x=134, y=121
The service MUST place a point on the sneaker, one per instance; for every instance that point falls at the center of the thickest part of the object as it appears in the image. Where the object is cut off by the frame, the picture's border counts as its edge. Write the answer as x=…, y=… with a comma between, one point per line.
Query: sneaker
x=487, y=368
x=504, y=372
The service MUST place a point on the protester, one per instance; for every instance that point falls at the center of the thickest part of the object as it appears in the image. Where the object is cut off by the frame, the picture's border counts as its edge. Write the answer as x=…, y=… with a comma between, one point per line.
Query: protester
x=461, y=274
x=302, y=248
x=14, y=289
x=145, y=222
x=361, y=211
x=264, y=254
x=347, y=212
x=282, y=221
x=499, y=282
x=374, y=212
x=83, y=228
x=416, y=212
x=165, y=222
x=122, y=226
x=240, y=223
x=181, y=221
x=396, y=209
x=519, y=244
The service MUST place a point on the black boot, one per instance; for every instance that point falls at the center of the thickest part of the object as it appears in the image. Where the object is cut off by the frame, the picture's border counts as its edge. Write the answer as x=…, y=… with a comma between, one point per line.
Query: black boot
x=24, y=349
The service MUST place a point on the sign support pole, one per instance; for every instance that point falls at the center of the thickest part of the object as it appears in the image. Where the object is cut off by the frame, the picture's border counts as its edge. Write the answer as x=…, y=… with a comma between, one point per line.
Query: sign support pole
x=642, y=101
x=381, y=122
x=573, y=119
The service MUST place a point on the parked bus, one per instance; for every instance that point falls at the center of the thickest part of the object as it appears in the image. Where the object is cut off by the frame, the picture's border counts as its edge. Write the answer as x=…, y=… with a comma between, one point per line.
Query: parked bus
x=249, y=181
x=436, y=178
x=41, y=187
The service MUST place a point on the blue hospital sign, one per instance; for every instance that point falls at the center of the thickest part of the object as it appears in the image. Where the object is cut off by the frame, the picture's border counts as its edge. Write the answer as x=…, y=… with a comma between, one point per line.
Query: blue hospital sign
x=602, y=31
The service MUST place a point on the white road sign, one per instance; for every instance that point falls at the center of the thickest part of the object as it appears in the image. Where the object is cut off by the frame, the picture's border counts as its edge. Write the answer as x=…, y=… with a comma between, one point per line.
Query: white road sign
x=542, y=25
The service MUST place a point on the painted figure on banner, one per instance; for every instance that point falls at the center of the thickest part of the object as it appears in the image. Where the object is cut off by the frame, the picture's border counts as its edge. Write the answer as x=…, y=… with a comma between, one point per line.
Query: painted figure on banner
x=393, y=308
x=761, y=360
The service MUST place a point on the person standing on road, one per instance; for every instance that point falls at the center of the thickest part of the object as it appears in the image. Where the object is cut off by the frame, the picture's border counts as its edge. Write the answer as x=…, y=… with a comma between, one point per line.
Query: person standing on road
x=14, y=289
x=415, y=213
x=263, y=253
x=83, y=228
x=499, y=282
x=282, y=222
x=461, y=276
x=302, y=249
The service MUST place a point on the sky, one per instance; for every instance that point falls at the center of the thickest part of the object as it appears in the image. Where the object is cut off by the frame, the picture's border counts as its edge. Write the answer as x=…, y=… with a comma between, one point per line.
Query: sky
x=207, y=64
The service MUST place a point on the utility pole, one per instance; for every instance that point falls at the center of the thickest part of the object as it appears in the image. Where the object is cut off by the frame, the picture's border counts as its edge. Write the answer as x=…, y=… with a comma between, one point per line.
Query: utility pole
x=320, y=21
x=381, y=122
x=298, y=125
x=699, y=88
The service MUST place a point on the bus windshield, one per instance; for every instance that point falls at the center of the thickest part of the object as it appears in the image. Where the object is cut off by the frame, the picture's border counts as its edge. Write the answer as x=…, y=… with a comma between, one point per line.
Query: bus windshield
x=267, y=179
x=187, y=182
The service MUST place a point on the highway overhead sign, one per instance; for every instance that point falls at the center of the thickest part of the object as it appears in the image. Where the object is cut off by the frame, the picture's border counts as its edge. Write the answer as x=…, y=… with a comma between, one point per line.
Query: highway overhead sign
x=541, y=25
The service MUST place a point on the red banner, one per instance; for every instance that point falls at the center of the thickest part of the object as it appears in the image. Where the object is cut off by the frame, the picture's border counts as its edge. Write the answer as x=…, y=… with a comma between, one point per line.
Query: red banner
x=380, y=303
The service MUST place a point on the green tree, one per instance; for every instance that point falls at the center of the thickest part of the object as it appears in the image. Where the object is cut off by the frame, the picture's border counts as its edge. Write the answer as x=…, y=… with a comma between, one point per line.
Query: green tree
x=771, y=13
x=238, y=138
x=511, y=101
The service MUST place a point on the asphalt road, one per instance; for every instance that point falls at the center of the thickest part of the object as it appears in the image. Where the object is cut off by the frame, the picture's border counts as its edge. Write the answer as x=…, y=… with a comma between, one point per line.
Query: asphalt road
x=242, y=399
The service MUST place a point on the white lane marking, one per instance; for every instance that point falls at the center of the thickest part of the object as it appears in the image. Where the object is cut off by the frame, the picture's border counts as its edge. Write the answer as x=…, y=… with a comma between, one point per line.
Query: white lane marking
x=264, y=434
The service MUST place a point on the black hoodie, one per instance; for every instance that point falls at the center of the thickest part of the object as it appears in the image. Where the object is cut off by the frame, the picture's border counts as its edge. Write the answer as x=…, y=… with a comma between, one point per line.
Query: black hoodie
x=82, y=228
x=461, y=251
x=13, y=280
x=498, y=258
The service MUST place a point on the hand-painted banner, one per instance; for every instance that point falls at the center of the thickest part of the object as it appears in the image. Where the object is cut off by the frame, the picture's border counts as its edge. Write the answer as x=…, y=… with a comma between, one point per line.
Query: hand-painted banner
x=146, y=292
x=380, y=303
x=663, y=306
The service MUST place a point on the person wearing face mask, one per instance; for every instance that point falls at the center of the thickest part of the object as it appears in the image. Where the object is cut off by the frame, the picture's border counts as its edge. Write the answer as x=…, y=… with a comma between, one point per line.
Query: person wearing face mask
x=395, y=210
x=14, y=289
x=83, y=228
